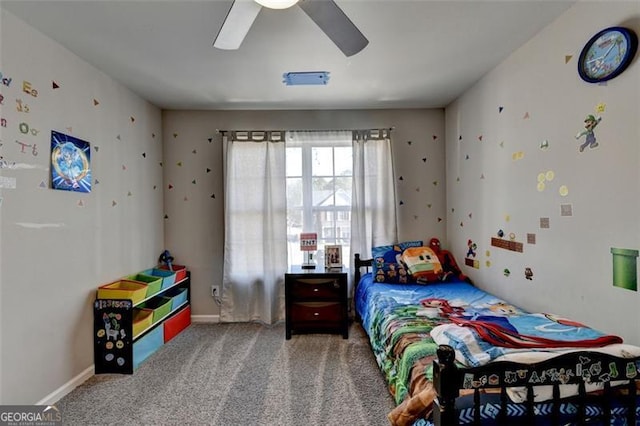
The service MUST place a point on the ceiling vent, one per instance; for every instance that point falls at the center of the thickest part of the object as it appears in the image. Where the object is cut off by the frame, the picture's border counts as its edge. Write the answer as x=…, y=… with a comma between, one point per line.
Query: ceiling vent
x=311, y=78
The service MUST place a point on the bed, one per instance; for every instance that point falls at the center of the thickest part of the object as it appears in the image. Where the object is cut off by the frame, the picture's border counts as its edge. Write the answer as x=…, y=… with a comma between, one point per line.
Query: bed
x=438, y=378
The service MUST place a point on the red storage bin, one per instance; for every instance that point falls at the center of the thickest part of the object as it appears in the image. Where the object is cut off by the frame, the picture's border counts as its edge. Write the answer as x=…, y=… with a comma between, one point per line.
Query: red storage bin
x=177, y=323
x=180, y=270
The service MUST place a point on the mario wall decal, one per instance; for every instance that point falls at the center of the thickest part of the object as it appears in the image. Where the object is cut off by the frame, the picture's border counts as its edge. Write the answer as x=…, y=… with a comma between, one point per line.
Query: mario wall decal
x=470, y=258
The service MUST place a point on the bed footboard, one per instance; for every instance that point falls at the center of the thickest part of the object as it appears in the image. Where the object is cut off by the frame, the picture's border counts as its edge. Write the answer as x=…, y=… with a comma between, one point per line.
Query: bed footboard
x=578, y=368
x=445, y=381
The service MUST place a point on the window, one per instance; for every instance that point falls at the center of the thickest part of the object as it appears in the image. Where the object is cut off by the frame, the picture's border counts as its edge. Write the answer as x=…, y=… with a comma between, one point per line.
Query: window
x=319, y=170
x=319, y=173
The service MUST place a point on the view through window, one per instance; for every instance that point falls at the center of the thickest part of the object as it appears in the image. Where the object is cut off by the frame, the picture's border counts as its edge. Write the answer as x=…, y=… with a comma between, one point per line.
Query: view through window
x=319, y=178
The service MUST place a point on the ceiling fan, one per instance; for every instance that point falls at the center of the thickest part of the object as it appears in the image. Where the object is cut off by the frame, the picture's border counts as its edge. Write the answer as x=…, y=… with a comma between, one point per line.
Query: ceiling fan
x=325, y=13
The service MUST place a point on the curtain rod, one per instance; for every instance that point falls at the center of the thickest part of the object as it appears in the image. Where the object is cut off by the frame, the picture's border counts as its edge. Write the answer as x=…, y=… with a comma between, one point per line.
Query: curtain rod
x=308, y=130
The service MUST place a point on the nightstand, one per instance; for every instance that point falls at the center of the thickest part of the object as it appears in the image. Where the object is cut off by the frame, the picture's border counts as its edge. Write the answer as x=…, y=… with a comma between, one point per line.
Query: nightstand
x=316, y=302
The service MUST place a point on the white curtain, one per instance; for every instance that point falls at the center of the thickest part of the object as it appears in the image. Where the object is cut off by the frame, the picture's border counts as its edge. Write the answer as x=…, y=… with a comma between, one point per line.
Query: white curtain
x=373, y=204
x=255, y=249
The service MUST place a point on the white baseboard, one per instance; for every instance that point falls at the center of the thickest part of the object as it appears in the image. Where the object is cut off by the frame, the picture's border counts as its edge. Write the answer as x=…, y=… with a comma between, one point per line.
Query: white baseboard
x=205, y=318
x=63, y=390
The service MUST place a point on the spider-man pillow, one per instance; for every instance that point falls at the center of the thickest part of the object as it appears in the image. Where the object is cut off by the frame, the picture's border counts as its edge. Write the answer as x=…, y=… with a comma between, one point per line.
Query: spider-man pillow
x=387, y=266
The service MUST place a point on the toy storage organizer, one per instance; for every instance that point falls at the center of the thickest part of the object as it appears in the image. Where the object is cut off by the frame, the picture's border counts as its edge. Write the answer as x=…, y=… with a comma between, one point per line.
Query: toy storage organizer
x=133, y=317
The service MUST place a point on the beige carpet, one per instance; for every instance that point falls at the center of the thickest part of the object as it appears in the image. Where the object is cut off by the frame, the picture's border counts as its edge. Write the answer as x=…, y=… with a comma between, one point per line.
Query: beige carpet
x=241, y=374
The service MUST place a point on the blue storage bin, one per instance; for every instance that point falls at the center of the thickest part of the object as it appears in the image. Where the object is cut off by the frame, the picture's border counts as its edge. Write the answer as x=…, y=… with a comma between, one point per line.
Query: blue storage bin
x=178, y=296
x=147, y=345
x=168, y=277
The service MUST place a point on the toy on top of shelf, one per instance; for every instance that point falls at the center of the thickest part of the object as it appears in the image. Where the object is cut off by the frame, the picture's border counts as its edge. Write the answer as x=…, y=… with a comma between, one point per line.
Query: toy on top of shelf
x=166, y=258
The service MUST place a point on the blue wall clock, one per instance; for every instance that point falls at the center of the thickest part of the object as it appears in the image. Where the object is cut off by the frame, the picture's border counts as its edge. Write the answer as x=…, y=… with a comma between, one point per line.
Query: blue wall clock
x=607, y=54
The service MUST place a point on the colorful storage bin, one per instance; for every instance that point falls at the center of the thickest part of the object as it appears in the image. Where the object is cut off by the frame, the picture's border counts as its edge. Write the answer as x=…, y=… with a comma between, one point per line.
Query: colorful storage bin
x=178, y=296
x=180, y=270
x=161, y=306
x=168, y=277
x=123, y=289
x=142, y=319
x=153, y=283
x=147, y=345
x=174, y=325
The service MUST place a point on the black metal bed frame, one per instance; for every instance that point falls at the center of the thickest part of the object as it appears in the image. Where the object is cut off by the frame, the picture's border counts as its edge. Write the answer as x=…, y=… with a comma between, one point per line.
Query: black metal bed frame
x=575, y=368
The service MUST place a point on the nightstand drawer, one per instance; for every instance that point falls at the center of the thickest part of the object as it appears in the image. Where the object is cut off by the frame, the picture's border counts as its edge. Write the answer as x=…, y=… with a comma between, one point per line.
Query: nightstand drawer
x=316, y=302
x=303, y=288
x=325, y=312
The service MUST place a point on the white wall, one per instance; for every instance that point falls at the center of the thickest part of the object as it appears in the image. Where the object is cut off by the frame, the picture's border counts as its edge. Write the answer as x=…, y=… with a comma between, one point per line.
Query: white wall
x=490, y=189
x=57, y=247
x=195, y=224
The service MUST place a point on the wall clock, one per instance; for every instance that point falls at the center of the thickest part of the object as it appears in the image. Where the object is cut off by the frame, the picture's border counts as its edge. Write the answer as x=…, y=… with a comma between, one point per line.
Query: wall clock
x=607, y=54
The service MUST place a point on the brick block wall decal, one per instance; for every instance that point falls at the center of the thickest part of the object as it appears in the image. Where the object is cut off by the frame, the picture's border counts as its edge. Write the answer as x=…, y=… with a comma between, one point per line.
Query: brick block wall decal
x=472, y=262
x=507, y=244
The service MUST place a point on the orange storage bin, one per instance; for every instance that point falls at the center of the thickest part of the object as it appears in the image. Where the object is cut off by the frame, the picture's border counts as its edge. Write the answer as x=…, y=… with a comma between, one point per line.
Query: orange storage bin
x=180, y=270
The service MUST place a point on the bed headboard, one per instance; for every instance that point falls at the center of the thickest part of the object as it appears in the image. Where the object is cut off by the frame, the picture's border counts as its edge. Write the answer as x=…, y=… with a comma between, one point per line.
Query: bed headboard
x=359, y=265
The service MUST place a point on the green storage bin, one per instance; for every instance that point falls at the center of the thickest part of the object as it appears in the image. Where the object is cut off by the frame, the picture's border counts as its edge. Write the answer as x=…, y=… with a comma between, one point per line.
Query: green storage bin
x=161, y=306
x=153, y=283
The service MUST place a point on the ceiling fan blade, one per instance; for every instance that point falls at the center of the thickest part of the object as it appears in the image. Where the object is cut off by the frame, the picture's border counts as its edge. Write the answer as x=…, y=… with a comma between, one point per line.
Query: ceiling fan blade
x=236, y=24
x=335, y=24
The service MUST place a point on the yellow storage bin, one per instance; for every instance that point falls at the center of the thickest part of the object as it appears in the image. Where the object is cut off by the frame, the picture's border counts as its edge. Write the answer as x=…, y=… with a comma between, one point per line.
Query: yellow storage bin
x=123, y=289
x=153, y=283
x=142, y=319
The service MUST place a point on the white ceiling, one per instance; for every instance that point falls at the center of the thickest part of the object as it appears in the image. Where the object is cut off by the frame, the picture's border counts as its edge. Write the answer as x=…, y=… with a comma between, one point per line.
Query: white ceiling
x=421, y=53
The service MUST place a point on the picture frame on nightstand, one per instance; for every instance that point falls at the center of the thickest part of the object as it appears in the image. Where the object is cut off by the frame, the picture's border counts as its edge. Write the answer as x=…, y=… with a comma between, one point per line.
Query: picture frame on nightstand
x=332, y=256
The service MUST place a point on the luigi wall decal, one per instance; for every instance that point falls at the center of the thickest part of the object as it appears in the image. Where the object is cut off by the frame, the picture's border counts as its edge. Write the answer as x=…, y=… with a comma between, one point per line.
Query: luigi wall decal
x=590, y=123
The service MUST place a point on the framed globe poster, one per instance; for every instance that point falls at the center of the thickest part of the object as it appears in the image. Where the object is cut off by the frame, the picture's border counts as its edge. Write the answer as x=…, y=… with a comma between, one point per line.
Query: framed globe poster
x=70, y=163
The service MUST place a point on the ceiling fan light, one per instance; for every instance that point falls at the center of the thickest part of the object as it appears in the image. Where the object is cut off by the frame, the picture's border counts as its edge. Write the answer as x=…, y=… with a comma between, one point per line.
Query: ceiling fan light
x=277, y=4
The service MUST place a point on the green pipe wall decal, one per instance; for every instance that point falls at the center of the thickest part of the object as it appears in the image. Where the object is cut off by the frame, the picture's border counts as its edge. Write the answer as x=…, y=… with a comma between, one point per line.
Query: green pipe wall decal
x=625, y=273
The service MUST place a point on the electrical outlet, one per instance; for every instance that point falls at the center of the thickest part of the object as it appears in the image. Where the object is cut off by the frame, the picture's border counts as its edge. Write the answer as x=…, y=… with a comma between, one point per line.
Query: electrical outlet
x=215, y=291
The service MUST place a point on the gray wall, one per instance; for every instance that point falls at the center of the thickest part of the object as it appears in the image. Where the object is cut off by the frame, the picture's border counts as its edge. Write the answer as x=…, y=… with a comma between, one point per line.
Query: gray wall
x=56, y=246
x=194, y=226
x=493, y=183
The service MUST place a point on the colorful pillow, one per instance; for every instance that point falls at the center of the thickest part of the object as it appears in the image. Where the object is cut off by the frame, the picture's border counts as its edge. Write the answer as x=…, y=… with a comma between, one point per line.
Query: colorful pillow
x=387, y=266
x=422, y=263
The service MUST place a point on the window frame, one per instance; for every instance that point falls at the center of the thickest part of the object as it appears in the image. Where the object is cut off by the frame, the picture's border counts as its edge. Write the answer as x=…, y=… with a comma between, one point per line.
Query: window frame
x=308, y=209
